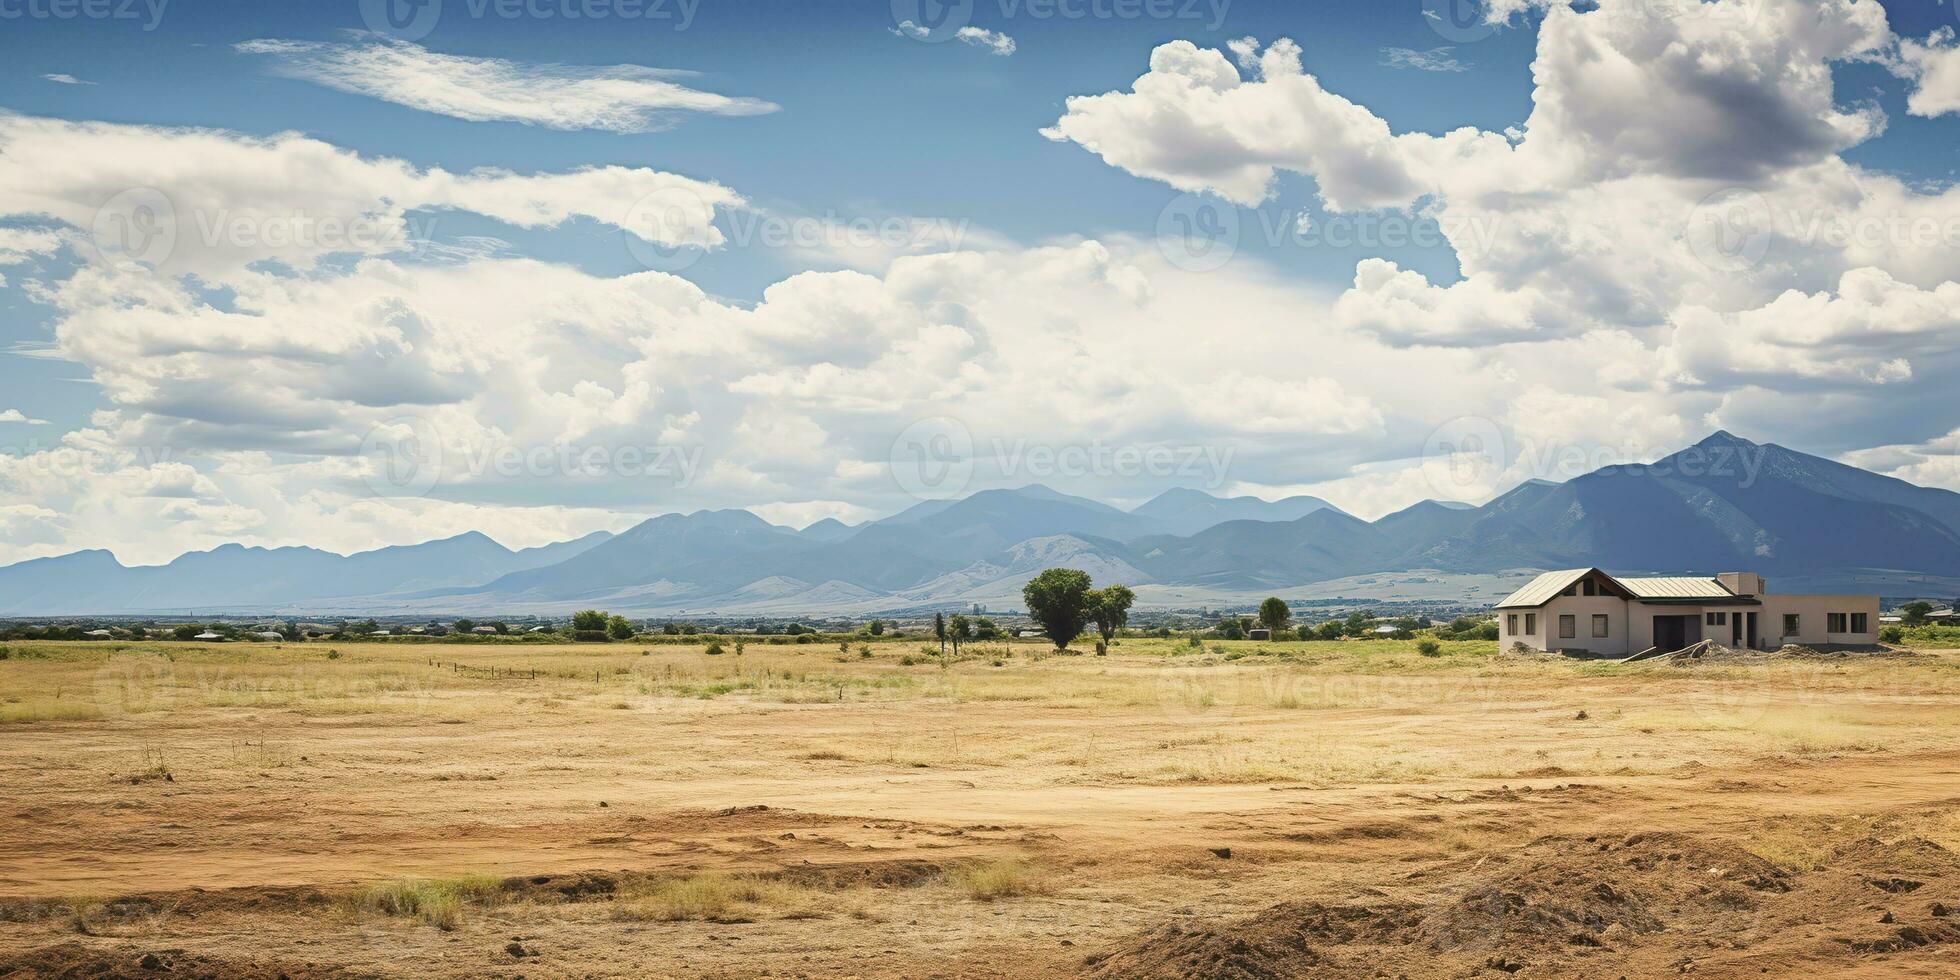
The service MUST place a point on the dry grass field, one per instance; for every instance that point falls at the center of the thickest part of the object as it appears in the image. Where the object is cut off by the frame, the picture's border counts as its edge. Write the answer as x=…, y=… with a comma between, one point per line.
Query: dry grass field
x=1241, y=810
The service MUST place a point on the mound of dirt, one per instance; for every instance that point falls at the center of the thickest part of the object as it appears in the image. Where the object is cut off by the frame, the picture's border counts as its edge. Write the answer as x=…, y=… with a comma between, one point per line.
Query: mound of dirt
x=136, y=963
x=1556, y=898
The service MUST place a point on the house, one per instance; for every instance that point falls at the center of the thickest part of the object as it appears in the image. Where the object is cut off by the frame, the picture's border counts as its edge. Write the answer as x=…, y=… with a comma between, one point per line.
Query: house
x=1259, y=633
x=1387, y=629
x=208, y=637
x=1586, y=610
x=485, y=631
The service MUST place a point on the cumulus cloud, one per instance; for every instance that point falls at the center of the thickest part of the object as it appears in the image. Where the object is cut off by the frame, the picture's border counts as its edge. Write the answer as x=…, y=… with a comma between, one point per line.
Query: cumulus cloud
x=1934, y=67
x=60, y=78
x=213, y=204
x=618, y=98
x=14, y=415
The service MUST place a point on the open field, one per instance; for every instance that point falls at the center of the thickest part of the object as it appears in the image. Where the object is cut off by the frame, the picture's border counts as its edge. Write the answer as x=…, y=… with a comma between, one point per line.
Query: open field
x=1241, y=810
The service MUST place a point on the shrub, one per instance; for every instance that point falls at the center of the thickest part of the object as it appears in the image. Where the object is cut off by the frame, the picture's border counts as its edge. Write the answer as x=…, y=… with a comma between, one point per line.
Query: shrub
x=714, y=648
x=1003, y=878
x=438, y=902
x=1429, y=648
x=1892, y=634
x=590, y=636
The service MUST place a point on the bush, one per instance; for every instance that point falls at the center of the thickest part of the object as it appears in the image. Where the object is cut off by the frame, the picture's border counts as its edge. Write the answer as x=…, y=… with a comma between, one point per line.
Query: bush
x=1892, y=634
x=714, y=648
x=591, y=636
x=1429, y=648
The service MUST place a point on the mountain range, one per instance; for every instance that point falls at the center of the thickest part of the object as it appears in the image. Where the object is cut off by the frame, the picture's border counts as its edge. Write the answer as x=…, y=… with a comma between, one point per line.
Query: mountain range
x=1808, y=523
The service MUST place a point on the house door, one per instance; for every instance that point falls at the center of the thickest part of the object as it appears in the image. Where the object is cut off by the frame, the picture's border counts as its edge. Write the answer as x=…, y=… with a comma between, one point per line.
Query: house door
x=1752, y=631
x=1670, y=632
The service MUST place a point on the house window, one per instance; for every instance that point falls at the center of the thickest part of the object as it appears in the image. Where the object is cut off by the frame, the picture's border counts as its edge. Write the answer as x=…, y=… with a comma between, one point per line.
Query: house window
x=1591, y=587
x=1836, y=623
x=1572, y=589
x=1792, y=624
x=1599, y=626
x=1531, y=624
x=1861, y=622
x=1511, y=624
x=1568, y=627
x=1718, y=619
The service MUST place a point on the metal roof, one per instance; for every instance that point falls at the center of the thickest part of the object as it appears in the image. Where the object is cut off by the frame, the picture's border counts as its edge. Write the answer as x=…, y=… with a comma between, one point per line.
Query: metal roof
x=1550, y=585
x=1543, y=589
x=1675, y=588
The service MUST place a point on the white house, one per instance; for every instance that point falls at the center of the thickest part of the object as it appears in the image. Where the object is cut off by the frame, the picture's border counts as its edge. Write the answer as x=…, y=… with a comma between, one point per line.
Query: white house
x=1585, y=610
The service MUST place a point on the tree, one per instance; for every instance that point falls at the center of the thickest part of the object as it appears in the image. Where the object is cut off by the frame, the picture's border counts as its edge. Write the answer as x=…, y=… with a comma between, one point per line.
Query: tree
x=1274, y=615
x=1110, y=609
x=1330, y=630
x=939, y=630
x=464, y=625
x=619, y=628
x=590, y=621
x=186, y=631
x=985, y=629
x=1232, y=628
x=961, y=630
x=1058, y=602
x=877, y=627
x=1914, y=613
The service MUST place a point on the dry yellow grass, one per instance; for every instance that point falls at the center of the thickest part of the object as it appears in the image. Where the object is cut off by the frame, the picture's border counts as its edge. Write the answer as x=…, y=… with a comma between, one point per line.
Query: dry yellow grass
x=722, y=898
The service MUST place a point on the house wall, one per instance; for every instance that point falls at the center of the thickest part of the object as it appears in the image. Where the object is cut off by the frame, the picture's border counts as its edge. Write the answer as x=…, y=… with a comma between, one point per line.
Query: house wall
x=1813, y=612
x=1582, y=609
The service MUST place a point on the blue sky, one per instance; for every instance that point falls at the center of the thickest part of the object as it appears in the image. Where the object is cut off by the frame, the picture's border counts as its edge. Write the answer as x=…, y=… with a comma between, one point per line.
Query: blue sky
x=872, y=125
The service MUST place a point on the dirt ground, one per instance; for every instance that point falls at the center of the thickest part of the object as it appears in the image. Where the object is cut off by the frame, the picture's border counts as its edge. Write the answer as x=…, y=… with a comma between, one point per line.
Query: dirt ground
x=1241, y=810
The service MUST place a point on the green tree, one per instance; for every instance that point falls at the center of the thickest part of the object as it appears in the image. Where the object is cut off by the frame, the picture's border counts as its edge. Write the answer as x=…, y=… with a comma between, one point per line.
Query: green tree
x=1274, y=614
x=985, y=629
x=939, y=630
x=463, y=625
x=1110, y=609
x=590, y=621
x=1330, y=630
x=1914, y=613
x=1058, y=602
x=877, y=627
x=1232, y=628
x=619, y=628
x=186, y=631
x=960, y=629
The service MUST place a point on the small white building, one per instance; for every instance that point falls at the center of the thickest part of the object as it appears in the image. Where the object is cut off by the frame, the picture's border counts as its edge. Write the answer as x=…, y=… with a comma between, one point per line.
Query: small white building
x=1585, y=610
x=208, y=636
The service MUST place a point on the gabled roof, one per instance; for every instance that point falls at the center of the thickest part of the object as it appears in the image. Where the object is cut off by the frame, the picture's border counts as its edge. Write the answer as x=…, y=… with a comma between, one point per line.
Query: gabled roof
x=1550, y=585
x=1545, y=588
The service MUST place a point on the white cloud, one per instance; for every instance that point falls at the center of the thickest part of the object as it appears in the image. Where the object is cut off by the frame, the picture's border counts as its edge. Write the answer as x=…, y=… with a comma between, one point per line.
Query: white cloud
x=994, y=41
x=618, y=98
x=1434, y=59
x=63, y=79
x=20, y=244
x=14, y=415
x=212, y=203
x=1934, y=67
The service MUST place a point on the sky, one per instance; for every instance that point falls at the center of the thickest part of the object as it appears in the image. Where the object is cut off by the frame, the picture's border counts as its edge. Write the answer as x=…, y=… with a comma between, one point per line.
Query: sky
x=350, y=274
